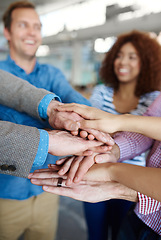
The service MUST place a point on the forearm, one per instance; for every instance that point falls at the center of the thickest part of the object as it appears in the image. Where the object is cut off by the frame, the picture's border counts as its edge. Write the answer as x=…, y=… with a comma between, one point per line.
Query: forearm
x=148, y=126
x=16, y=93
x=19, y=146
x=141, y=179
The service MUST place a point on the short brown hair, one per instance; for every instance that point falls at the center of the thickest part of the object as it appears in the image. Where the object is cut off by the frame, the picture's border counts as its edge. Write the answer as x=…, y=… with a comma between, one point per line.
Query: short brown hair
x=149, y=51
x=7, y=17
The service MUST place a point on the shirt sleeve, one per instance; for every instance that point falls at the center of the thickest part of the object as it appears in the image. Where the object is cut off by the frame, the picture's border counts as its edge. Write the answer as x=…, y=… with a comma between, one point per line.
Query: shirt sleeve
x=44, y=103
x=147, y=205
x=131, y=144
x=96, y=98
x=42, y=149
x=44, y=136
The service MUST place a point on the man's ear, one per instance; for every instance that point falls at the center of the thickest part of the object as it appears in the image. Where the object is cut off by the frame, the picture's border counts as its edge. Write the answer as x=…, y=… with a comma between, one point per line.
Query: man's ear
x=6, y=34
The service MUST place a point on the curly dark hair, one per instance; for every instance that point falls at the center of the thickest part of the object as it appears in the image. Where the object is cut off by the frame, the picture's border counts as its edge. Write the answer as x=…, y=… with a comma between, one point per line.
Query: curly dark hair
x=149, y=51
x=7, y=16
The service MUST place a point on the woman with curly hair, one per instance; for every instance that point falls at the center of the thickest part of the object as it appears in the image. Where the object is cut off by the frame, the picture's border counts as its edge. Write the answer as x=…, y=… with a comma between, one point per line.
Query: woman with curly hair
x=131, y=72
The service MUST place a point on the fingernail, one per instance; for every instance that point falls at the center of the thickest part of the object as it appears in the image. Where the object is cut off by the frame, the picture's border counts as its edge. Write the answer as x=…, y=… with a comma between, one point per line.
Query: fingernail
x=61, y=171
x=112, y=140
x=45, y=187
x=51, y=165
x=30, y=175
x=33, y=180
x=76, y=179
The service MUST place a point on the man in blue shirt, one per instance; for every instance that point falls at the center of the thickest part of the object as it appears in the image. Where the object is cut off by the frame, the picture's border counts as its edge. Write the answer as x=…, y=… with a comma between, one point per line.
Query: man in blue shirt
x=25, y=208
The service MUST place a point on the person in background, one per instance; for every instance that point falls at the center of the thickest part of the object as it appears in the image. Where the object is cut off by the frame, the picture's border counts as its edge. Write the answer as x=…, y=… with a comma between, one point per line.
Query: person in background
x=131, y=71
x=22, y=29
x=131, y=74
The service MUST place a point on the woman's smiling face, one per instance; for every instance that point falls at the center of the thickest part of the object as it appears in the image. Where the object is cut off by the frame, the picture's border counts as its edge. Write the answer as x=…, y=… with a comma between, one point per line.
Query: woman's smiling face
x=127, y=64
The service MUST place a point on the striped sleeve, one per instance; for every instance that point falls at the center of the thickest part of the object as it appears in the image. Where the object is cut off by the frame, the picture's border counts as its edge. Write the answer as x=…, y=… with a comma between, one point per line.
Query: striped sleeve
x=147, y=205
x=131, y=144
x=97, y=98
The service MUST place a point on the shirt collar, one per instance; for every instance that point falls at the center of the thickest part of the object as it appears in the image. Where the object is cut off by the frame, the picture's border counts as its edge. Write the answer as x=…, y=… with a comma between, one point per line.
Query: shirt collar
x=11, y=61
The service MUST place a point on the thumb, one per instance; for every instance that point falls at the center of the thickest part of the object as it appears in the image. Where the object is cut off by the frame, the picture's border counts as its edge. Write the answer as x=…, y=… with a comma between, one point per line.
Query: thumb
x=71, y=125
x=103, y=158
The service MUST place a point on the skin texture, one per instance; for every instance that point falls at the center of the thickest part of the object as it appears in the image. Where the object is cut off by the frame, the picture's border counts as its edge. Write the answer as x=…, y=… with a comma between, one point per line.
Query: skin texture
x=107, y=122
x=86, y=190
x=144, y=180
x=61, y=143
x=138, y=179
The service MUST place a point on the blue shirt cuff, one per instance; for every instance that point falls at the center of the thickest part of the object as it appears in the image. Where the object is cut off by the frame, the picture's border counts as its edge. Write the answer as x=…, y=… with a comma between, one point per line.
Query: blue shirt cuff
x=42, y=149
x=44, y=103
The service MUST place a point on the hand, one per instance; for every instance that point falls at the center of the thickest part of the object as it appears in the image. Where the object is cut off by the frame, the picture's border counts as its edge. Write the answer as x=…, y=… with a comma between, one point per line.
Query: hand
x=89, y=191
x=62, y=120
x=74, y=167
x=63, y=143
x=70, y=122
x=94, y=118
x=110, y=156
x=97, y=172
x=94, y=134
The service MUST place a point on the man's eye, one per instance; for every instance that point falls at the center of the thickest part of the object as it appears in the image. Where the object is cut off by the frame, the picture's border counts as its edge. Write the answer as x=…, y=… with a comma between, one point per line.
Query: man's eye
x=37, y=27
x=22, y=25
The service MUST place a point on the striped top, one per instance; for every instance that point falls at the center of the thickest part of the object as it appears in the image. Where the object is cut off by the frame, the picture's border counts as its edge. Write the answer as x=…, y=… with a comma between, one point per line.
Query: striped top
x=102, y=98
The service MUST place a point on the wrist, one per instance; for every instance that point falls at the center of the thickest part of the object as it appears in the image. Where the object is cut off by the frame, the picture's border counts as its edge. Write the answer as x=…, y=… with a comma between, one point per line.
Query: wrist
x=116, y=175
x=122, y=122
x=115, y=152
x=52, y=105
x=51, y=145
x=123, y=192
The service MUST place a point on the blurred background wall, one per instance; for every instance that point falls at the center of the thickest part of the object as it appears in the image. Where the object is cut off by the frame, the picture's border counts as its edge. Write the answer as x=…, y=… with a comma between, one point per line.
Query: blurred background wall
x=77, y=33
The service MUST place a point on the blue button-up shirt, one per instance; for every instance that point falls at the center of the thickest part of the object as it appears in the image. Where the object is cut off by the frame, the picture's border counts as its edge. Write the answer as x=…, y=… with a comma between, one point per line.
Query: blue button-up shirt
x=43, y=76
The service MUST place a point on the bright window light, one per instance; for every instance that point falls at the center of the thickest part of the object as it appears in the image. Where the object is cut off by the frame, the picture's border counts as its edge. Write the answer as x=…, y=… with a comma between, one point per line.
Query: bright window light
x=90, y=13
x=43, y=51
x=103, y=45
x=75, y=17
x=149, y=6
